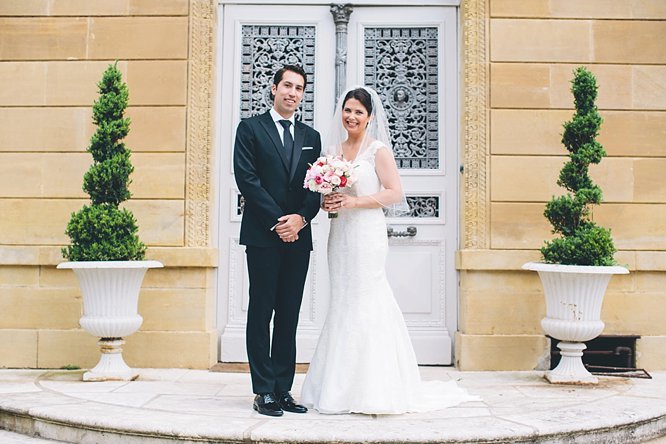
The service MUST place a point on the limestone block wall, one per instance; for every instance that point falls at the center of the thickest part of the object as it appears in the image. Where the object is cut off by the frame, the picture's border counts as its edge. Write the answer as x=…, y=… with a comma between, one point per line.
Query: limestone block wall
x=52, y=54
x=517, y=59
x=532, y=49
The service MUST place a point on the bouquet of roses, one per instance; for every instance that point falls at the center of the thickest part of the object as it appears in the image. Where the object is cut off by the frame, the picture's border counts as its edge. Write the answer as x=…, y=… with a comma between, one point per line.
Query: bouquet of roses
x=329, y=174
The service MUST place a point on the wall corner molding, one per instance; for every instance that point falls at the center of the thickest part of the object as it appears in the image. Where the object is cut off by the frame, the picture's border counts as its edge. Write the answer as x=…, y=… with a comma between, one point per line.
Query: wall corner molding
x=201, y=77
x=475, y=124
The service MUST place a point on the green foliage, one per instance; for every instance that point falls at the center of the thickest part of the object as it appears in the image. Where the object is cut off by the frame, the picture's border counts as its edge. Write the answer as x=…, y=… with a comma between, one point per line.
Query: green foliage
x=581, y=241
x=589, y=245
x=107, y=181
x=113, y=99
x=102, y=231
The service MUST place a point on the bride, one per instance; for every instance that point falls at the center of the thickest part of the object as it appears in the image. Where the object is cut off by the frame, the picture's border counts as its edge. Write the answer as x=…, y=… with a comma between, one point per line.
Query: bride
x=364, y=361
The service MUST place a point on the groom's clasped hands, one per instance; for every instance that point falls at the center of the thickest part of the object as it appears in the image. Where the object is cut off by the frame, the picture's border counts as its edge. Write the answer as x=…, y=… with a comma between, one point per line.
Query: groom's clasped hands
x=288, y=227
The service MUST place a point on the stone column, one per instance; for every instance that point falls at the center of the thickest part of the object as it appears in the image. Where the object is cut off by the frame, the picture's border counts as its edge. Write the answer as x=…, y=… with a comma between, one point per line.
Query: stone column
x=341, y=14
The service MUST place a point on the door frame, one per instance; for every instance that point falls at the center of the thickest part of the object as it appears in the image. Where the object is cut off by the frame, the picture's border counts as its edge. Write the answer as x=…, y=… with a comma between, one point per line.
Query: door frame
x=224, y=147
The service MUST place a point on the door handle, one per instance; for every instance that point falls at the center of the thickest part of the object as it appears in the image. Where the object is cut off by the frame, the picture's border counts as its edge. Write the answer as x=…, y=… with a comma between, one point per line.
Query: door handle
x=411, y=232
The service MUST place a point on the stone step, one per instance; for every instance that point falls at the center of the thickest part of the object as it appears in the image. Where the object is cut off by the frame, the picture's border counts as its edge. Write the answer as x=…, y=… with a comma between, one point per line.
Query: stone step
x=190, y=406
x=7, y=437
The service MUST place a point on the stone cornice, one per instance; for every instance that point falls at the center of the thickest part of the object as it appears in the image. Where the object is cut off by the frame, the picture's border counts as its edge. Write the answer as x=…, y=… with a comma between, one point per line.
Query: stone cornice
x=21, y=255
x=512, y=260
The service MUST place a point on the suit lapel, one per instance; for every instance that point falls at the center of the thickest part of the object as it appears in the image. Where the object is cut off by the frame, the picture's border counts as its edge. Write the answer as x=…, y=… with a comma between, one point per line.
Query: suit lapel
x=299, y=135
x=268, y=124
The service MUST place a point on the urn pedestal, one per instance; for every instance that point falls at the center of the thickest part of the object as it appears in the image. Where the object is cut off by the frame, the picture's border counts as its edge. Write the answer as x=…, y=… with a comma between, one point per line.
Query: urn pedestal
x=574, y=295
x=110, y=310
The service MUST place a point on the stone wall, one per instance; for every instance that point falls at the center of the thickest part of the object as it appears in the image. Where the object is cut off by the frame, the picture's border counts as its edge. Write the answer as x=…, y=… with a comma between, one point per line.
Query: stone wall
x=532, y=49
x=52, y=54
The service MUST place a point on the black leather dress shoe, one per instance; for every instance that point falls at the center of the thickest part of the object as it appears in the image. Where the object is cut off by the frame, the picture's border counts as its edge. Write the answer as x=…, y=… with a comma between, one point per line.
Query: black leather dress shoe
x=266, y=404
x=288, y=404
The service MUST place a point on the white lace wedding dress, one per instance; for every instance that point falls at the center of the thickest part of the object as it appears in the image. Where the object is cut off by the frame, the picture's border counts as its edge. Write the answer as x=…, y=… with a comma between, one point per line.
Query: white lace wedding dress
x=364, y=361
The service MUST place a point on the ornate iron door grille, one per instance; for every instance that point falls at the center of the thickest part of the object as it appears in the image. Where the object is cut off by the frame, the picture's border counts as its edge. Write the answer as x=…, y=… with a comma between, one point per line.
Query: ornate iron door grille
x=401, y=64
x=264, y=50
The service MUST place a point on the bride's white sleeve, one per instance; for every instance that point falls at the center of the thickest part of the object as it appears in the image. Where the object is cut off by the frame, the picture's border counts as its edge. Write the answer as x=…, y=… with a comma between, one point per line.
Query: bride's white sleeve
x=393, y=200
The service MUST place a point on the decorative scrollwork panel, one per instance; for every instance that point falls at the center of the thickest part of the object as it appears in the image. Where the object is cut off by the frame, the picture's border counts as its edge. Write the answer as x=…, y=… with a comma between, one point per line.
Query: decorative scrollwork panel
x=420, y=206
x=264, y=50
x=401, y=64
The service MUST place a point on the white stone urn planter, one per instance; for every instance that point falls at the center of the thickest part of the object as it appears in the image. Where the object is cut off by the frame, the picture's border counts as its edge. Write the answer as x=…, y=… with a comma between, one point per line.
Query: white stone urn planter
x=110, y=310
x=574, y=295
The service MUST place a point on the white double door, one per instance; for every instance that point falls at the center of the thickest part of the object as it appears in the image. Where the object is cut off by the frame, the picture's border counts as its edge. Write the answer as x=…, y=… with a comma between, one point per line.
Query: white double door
x=409, y=54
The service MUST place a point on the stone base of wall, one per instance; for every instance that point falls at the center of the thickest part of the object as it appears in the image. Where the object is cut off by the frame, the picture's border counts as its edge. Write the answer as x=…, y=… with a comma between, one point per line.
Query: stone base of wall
x=59, y=348
x=501, y=307
x=651, y=353
x=532, y=352
x=40, y=308
x=505, y=352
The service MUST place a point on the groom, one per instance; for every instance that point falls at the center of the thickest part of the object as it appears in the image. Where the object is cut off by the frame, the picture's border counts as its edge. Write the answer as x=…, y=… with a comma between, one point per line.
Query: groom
x=271, y=155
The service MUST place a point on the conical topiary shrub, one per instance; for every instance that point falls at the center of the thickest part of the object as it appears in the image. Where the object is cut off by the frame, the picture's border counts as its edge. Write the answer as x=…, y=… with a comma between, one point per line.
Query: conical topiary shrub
x=581, y=241
x=102, y=231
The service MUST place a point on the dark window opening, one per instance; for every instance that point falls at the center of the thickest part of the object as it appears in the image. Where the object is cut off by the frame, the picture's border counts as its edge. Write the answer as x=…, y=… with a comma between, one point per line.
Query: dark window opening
x=607, y=354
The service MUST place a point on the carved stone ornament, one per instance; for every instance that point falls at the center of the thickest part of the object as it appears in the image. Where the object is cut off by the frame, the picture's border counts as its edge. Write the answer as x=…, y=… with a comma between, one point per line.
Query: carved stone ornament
x=475, y=102
x=341, y=14
x=200, y=122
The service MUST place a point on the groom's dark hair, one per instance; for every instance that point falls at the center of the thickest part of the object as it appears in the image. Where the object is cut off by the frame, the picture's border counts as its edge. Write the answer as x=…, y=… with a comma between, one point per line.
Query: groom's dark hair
x=293, y=68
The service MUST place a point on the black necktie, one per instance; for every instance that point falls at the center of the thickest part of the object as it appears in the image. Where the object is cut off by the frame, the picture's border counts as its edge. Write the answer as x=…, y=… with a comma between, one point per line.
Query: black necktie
x=288, y=140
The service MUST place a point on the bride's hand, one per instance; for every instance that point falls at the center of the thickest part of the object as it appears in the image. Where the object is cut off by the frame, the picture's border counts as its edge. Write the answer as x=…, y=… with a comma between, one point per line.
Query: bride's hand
x=331, y=202
x=347, y=201
x=335, y=201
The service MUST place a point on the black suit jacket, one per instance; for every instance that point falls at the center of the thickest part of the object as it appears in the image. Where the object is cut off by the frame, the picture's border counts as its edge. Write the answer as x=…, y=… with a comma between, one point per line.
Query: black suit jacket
x=271, y=184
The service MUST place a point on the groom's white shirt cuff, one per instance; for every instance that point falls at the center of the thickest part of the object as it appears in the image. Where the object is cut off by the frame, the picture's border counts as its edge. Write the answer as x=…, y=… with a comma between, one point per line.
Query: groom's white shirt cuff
x=305, y=224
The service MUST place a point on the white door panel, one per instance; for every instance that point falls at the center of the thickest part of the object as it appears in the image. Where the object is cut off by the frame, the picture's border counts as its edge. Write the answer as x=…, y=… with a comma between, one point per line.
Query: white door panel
x=255, y=41
x=409, y=55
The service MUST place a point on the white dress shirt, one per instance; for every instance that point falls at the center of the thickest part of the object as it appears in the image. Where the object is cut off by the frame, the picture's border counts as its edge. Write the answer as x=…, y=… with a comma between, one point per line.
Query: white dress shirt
x=276, y=119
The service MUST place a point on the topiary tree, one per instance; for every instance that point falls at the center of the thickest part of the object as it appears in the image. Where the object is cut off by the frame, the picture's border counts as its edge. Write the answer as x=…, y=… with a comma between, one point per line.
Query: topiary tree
x=102, y=231
x=581, y=241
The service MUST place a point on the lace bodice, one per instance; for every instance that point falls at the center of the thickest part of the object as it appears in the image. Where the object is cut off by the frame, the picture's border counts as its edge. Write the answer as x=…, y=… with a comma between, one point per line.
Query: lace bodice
x=367, y=181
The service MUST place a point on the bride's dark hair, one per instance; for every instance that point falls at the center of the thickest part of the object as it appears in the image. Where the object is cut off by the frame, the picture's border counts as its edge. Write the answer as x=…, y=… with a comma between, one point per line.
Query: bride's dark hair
x=362, y=96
